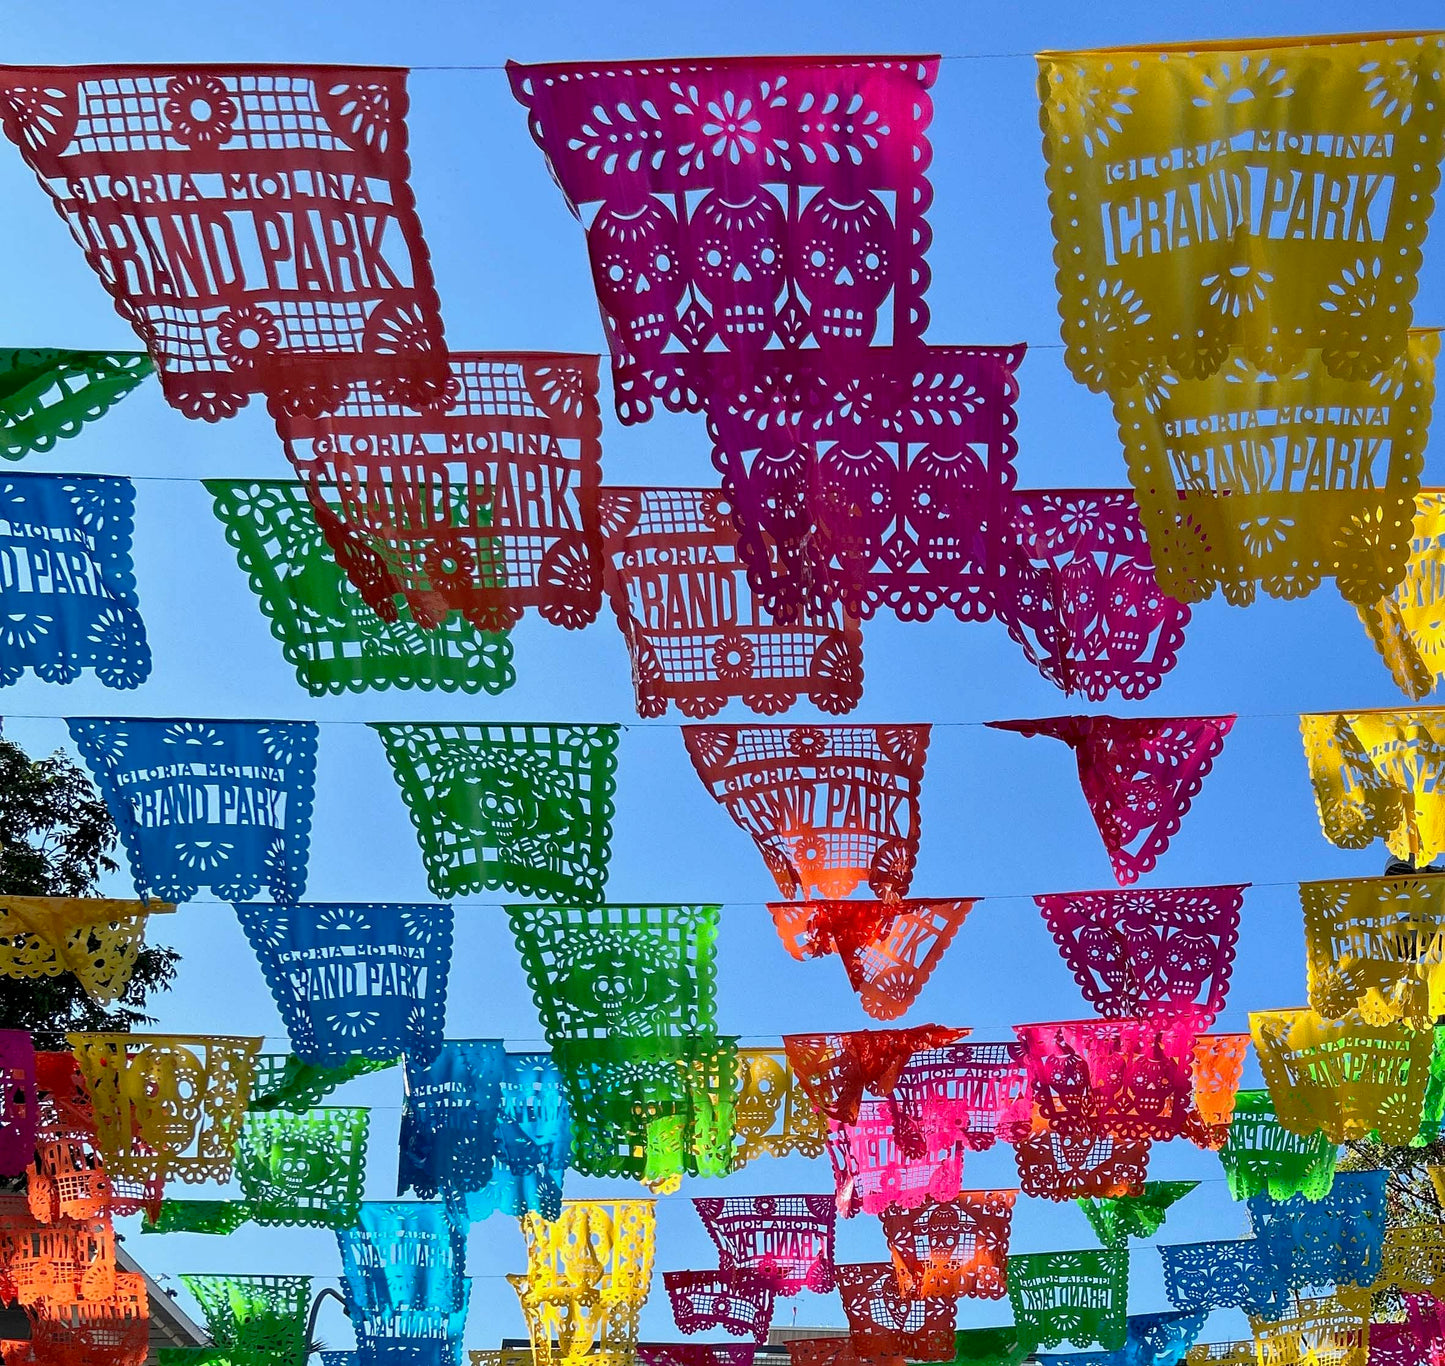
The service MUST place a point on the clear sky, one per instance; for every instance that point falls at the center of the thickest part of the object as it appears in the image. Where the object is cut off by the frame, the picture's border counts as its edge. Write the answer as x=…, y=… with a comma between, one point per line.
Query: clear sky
x=1002, y=816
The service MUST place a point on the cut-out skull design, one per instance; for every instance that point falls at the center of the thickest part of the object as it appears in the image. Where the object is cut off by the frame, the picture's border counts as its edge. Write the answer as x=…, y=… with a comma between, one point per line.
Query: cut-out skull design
x=943, y=490
x=637, y=266
x=737, y=251
x=1134, y=609
x=167, y=1087
x=857, y=481
x=844, y=265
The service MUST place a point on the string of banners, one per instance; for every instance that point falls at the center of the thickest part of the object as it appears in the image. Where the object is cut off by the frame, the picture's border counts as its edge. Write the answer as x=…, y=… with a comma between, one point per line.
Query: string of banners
x=1239, y=229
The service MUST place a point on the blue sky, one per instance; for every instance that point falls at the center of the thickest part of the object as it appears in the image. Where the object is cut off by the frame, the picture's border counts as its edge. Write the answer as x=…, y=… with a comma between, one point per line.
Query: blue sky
x=1002, y=816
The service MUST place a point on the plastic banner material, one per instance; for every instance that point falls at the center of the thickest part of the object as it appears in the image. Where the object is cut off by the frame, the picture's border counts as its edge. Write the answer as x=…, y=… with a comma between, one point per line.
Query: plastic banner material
x=1169, y=254
x=1116, y=1220
x=883, y=1322
x=1405, y=625
x=881, y=485
x=1078, y=1297
x=328, y=632
x=1218, y=1070
x=1262, y=477
x=786, y=1239
x=880, y=1162
x=955, y=1248
x=167, y=1105
x=54, y=1266
x=400, y=1260
x=1139, y=776
x=829, y=807
x=739, y=1303
x=1146, y=949
x=1374, y=776
x=1376, y=946
x=773, y=1114
x=1225, y=1274
x=697, y=634
x=1150, y=1340
x=976, y=1093
x=1130, y=1079
x=303, y=1169
x=246, y=826
x=587, y=1279
x=889, y=949
x=836, y=1069
x=19, y=1102
x=47, y=394
x=68, y=595
x=284, y=1082
x=427, y=1336
x=252, y=223
x=481, y=502
x=1080, y=593
x=1332, y=1330
x=1416, y=1341
x=1344, y=1078
x=255, y=1319
x=94, y=938
x=1338, y=1240
x=522, y=807
x=1069, y=1166
x=619, y=972
x=1413, y=1260
x=108, y=1332
x=727, y=222
x=214, y=1217
x=355, y=977
x=1263, y=1156
x=487, y=1130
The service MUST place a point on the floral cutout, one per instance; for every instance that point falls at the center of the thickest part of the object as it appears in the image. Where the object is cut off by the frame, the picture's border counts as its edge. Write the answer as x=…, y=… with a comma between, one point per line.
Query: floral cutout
x=48, y=394
x=255, y=1317
x=882, y=1321
x=521, y=807
x=974, y=1093
x=482, y=502
x=313, y=270
x=1338, y=1240
x=1061, y=1165
x=881, y=1161
x=303, y=1169
x=739, y=1303
x=1248, y=248
x=837, y=1069
x=1224, y=1274
x=788, y=1240
x=1405, y=624
x=1139, y=776
x=68, y=600
x=1080, y=595
x=355, y=978
x=1151, y=1340
x=1263, y=1156
x=697, y=633
x=247, y=826
x=954, y=1248
x=1281, y=477
x=329, y=634
x=1074, y=1296
x=829, y=807
x=95, y=938
x=1141, y=951
x=889, y=950
x=741, y=208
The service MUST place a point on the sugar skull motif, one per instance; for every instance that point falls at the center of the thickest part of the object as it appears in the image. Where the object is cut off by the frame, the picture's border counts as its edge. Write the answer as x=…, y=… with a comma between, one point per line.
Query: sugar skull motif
x=738, y=208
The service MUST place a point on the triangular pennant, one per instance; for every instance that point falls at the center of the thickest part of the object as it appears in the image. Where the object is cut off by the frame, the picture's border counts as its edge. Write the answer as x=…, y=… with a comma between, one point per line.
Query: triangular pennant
x=313, y=268
x=1139, y=776
x=329, y=634
x=956, y=1248
x=882, y=1321
x=167, y=1104
x=739, y=1303
x=251, y=830
x=1115, y=1220
x=1079, y=593
x=1375, y=777
x=95, y=938
x=1141, y=950
x=697, y=633
x=889, y=949
x=1406, y=625
x=353, y=978
x=255, y=1318
x=836, y=1069
x=713, y=249
x=73, y=608
x=1223, y=1274
x=524, y=807
x=47, y=394
x=860, y=783
x=1079, y=1297
x=786, y=1239
x=483, y=502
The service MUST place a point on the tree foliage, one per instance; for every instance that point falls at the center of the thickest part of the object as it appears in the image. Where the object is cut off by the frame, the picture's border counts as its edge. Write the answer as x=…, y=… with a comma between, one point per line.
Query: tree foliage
x=57, y=839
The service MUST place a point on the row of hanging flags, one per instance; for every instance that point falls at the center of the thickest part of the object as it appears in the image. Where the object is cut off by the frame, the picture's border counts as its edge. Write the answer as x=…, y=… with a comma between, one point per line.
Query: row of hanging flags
x=1238, y=235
